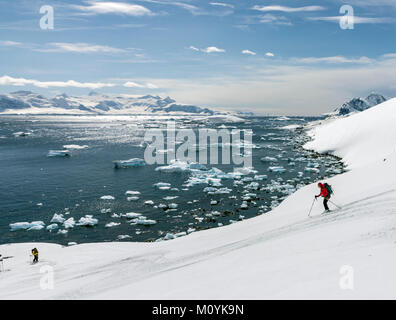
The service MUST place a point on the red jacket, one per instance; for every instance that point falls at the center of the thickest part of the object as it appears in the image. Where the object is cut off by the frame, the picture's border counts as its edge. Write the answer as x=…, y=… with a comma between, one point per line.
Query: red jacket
x=323, y=191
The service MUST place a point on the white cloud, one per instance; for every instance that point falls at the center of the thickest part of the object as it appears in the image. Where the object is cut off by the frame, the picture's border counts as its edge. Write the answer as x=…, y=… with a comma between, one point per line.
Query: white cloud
x=252, y=53
x=221, y=4
x=10, y=81
x=96, y=7
x=356, y=19
x=212, y=50
x=80, y=48
x=270, y=54
x=8, y=43
x=333, y=59
x=271, y=19
x=132, y=84
x=288, y=9
x=193, y=48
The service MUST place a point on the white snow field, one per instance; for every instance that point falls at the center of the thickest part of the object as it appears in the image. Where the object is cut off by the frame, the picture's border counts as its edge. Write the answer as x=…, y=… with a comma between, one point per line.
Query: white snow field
x=348, y=254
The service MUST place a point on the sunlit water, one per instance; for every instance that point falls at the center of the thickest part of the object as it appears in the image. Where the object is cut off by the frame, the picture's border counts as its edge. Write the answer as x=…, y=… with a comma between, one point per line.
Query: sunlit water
x=34, y=187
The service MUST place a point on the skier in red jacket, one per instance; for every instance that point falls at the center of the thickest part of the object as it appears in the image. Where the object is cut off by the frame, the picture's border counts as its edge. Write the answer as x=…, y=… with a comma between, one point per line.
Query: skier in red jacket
x=325, y=194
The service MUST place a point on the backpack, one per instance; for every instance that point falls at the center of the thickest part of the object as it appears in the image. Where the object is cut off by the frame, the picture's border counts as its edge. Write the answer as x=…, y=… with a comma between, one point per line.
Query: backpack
x=329, y=188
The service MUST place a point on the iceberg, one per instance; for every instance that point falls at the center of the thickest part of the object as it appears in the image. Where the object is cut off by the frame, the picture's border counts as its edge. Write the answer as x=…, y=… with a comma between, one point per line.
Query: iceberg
x=87, y=221
x=69, y=223
x=57, y=218
x=35, y=225
x=131, y=163
x=75, y=146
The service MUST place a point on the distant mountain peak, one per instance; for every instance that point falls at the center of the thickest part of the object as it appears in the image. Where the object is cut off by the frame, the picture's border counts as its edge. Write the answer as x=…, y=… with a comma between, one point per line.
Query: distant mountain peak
x=95, y=103
x=359, y=104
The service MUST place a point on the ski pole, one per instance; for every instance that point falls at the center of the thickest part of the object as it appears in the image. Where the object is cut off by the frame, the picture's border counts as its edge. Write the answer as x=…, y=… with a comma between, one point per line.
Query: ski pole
x=335, y=204
x=311, y=207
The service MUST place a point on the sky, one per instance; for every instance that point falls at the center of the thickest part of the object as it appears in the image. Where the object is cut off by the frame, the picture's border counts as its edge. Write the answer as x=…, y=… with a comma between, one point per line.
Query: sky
x=293, y=57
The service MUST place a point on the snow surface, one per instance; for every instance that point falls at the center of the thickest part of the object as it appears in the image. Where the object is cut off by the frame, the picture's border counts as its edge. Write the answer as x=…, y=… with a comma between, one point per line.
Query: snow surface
x=282, y=254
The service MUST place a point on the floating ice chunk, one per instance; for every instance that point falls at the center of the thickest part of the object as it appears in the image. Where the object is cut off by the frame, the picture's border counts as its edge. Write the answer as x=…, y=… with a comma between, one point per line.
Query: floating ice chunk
x=22, y=134
x=244, y=205
x=213, y=202
x=75, y=146
x=252, y=186
x=180, y=234
x=62, y=231
x=105, y=211
x=123, y=236
x=57, y=218
x=173, y=205
x=35, y=225
x=132, y=215
x=58, y=153
x=69, y=223
x=87, y=221
x=131, y=163
x=149, y=202
x=144, y=221
x=52, y=227
x=190, y=230
x=132, y=193
x=181, y=166
x=170, y=197
x=162, y=186
x=107, y=198
x=169, y=236
x=260, y=177
x=245, y=170
x=268, y=159
x=277, y=169
x=72, y=244
x=309, y=169
x=132, y=198
x=112, y=224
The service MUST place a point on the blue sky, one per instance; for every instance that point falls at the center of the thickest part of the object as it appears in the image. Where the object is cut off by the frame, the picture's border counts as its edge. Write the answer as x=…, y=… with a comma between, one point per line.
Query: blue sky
x=286, y=57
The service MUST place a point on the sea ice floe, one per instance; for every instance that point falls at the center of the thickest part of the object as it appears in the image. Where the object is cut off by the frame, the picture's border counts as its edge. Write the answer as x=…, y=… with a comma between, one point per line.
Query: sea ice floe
x=123, y=236
x=309, y=169
x=131, y=163
x=105, y=211
x=212, y=190
x=22, y=134
x=62, y=231
x=173, y=205
x=149, y=202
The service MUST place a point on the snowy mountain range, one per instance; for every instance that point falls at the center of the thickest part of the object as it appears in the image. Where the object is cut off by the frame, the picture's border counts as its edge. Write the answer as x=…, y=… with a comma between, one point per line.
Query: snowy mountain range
x=359, y=104
x=27, y=102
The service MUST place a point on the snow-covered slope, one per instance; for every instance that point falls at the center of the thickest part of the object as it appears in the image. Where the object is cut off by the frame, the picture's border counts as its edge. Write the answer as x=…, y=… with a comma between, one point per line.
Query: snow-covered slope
x=359, y=139
x=284, y=254
x=26, y=102
x=359, y=104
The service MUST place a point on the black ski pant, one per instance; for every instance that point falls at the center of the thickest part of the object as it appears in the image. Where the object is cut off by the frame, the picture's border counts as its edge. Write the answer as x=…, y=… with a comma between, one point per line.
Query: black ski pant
x=35, y=259
x=325, y=200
